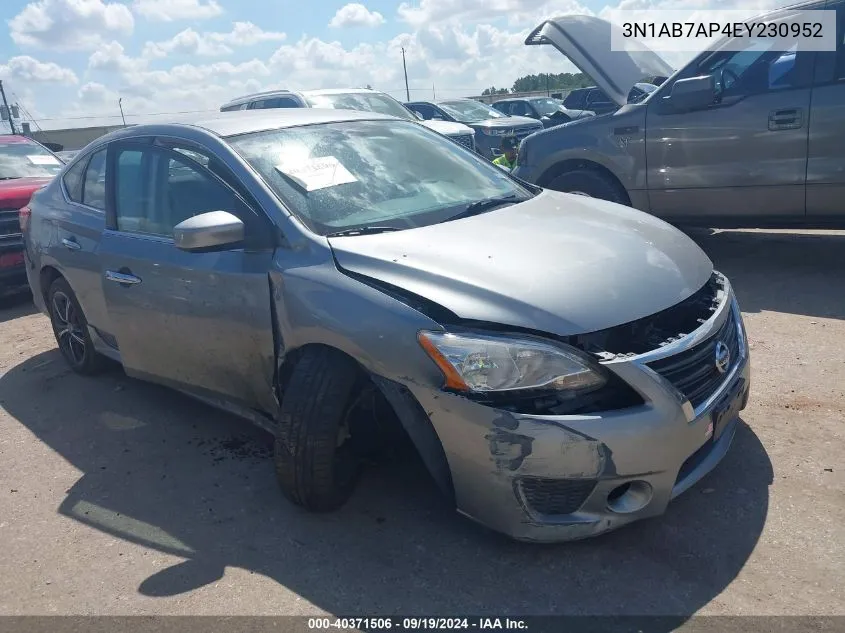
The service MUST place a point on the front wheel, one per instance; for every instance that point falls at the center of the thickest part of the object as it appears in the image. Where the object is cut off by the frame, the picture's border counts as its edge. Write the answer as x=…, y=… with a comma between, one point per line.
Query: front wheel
x=317, y=467
x=591, y=183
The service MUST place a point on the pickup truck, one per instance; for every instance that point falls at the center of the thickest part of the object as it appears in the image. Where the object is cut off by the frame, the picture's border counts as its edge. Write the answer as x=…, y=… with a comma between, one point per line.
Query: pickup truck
x=25, y=167
x=742, y=136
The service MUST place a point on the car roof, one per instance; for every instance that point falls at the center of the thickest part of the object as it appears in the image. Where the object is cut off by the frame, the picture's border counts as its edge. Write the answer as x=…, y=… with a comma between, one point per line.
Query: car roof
x=340, y=91
x=225, y=124
x=257, y=95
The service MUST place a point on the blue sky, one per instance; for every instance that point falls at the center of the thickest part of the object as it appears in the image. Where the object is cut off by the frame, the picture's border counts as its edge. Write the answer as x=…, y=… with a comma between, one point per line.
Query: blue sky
x=69, y=61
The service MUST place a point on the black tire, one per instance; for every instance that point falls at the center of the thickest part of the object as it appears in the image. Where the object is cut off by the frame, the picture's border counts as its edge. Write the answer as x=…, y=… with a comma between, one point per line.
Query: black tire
x=313, y=471
x=70, y=327
x=592, y=183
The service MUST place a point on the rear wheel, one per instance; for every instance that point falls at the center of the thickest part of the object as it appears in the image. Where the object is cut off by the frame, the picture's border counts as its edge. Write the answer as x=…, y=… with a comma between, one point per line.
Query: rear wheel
x=592, y=183
x=316, y=464
x=71, y=329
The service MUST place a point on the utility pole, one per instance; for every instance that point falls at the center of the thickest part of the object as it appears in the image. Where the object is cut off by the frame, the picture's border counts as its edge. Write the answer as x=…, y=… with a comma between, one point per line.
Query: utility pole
x=433, y=93
x=9, y=110
x=405, y=68
x=120, y=105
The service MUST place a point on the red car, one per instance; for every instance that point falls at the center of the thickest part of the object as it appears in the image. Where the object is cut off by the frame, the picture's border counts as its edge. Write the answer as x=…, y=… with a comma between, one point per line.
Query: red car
x=25, y=166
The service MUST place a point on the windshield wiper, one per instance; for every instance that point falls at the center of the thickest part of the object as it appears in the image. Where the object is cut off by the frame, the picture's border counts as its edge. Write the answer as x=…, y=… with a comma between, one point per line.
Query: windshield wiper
x=480, y=206
x=363, y=230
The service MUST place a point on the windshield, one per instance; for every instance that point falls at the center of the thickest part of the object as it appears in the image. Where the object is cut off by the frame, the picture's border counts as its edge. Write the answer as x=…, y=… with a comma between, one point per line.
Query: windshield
x=364, y=101
x=546, y=106
x=470, y=111
x=340, y=176
x=21, y=158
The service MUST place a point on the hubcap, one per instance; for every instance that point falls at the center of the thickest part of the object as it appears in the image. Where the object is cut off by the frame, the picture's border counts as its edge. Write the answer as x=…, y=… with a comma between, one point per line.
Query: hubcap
x=68, y=325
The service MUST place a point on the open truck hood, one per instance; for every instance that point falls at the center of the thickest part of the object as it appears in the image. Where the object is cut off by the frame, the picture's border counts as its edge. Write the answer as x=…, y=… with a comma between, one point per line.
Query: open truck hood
x=586, y=41
x=557, y=263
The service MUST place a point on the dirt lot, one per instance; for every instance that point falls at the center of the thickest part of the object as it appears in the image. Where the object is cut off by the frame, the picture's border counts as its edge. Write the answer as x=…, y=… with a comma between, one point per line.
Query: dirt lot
x=119, y=497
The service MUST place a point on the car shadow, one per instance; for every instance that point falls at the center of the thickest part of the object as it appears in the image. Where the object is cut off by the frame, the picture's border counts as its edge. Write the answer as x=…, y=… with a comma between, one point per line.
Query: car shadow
x=795, y=273
x=166, y=472
x=16, y=306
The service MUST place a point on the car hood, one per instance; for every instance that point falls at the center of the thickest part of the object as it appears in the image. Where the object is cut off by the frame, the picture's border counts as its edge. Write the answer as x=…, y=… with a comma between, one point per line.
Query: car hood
x=576, y=114
x=558, y=263
x=448, y=128
x=15, y=193
x=586, y=41
x=516, y=122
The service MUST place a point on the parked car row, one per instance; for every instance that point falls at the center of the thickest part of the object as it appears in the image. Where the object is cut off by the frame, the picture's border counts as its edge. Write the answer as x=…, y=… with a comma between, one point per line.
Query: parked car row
x=362, y=99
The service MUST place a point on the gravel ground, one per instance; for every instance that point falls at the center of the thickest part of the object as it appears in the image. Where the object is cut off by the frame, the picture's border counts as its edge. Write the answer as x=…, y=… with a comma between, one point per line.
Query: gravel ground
x=119, y=497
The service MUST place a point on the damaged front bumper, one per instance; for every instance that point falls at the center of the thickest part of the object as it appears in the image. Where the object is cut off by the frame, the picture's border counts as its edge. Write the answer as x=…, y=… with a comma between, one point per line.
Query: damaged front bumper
x=558, y=478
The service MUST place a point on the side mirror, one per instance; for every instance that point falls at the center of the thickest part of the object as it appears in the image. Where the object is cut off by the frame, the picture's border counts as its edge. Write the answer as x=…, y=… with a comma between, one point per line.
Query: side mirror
x=208, y=230
x=694, y=93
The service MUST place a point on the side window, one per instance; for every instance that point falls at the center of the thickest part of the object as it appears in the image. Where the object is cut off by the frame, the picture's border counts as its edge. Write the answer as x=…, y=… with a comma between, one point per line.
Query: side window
x=501, y=106
x=597, y=98
x=519, y=108
x=757, y=69
x=73, y=180
x=424, y=110
x=94, y=184
x=157, y=189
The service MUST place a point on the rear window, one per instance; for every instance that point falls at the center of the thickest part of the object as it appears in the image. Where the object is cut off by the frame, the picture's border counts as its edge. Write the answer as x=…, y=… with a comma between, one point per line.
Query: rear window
x=21, y=158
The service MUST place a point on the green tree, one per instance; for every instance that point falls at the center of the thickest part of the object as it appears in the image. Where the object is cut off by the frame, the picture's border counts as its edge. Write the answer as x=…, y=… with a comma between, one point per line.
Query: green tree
x=551, y=82
x=494, y=91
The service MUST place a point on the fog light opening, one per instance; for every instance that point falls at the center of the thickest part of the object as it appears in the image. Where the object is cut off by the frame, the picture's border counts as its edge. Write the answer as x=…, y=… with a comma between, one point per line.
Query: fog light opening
x=631, y=496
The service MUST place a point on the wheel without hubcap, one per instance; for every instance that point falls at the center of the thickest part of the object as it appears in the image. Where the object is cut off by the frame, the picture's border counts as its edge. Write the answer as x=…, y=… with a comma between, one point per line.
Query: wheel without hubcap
x=71, y=329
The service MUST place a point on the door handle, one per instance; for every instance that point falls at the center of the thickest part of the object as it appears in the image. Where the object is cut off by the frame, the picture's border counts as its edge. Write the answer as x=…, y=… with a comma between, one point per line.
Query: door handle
x=71, y=244
x=122, y=278
x=788, y=119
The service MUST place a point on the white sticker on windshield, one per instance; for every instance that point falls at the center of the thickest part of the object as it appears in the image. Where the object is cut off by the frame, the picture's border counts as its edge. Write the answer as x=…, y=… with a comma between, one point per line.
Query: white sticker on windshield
x=317, y=173
x=43, y=159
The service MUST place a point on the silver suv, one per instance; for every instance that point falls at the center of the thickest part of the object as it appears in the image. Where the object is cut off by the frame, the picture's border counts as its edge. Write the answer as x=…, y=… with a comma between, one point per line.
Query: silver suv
x=363, y=99
x=563, y=365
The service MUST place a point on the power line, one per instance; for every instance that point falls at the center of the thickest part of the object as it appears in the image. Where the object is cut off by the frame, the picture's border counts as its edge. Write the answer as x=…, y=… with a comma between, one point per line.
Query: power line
x=27, y=112
x=117, y=116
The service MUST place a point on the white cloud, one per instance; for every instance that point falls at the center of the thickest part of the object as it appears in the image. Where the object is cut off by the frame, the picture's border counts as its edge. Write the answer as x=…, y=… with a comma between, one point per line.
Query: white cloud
x=112, y=58
x=356, y=14
x=246, y=34
x=96, y=93
x=69, y=24
x=189, y=42
x=172, y=10
x=462, y=48
x=431, y=11
x=27, y=69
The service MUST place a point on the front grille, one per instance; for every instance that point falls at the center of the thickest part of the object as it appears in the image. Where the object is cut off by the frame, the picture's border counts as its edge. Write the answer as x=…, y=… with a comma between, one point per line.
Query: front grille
x=10, y=228
x=467, y=140
x=555, y=496
x=693, y=371
x=521, y=134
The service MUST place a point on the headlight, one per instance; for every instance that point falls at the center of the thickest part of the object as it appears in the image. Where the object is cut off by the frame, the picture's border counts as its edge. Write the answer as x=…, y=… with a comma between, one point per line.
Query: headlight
x=479, y=363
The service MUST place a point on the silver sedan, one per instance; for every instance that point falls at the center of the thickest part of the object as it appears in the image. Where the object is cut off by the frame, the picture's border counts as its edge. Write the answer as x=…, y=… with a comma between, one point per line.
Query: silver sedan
x=563, y=365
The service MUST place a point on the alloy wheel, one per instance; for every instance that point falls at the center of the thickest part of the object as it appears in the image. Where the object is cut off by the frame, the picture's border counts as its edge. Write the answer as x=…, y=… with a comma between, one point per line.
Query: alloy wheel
x=70, y=332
